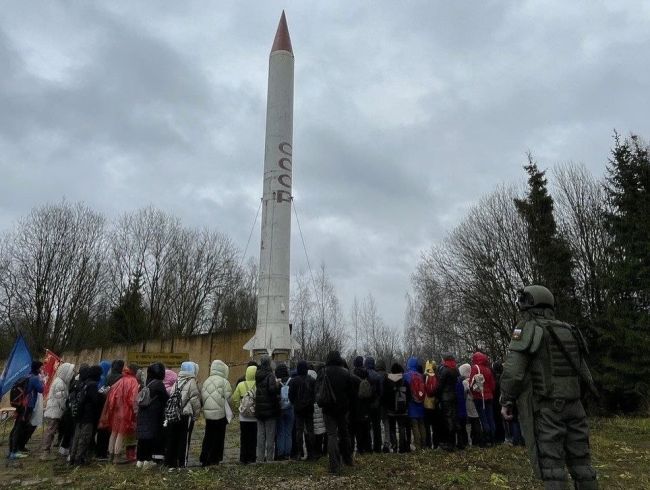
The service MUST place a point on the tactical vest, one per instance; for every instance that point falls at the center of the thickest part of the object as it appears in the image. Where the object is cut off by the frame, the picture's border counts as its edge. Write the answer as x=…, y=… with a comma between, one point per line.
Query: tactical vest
x=551, y=373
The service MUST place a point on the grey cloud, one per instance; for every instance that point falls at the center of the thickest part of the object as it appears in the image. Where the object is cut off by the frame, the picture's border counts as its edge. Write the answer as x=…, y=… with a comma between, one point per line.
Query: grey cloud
x=404, y=114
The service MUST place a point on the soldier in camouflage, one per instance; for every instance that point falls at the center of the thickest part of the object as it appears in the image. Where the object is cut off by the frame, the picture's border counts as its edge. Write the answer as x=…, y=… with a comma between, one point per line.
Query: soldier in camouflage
x=542, y=374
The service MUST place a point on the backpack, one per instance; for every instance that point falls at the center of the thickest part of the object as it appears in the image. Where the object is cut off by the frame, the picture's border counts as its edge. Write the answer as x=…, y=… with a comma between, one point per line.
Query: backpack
x=247, y=405
x=430, y=387
x=285, y=403
x=365, y=390
x=174, y=406
x=400, y=399
x=76, y=401
x=18, y=394
x=417, y=388
x=325, y=396
x=144, y=397
x=478, y=383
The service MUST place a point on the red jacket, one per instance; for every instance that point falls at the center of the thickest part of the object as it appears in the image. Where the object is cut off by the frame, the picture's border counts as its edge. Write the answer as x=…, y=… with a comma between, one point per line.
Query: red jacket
x=118, y=414
x=480, y=361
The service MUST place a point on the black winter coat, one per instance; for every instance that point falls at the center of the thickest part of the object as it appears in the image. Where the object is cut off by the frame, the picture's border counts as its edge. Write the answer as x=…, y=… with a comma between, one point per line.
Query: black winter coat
x=447, y=377
x=149, y=422
x=301, y=394
x=392, y=384
x=361, y=410
x=267, y=394
x=91, y=407
x=377, y=381
x=344, y=389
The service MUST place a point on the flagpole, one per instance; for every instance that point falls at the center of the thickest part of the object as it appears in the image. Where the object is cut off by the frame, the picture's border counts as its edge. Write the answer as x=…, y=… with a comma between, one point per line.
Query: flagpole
x=16, y=329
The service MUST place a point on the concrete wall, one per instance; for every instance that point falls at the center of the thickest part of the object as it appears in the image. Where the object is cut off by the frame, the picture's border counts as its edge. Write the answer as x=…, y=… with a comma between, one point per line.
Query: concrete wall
x=202, y=349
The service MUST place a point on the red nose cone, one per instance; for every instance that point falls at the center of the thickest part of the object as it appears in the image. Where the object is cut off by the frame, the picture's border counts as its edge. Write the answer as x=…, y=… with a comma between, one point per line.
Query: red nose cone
x=282, y=41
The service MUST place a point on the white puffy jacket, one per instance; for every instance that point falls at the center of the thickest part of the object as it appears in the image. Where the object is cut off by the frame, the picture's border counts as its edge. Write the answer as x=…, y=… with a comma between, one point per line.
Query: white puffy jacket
x=190, y=394
x=216, y=391
x=319, y=420
x=58, y=394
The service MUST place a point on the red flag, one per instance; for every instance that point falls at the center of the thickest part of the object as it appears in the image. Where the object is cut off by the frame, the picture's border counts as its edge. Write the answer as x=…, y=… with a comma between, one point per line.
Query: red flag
x=50, y=365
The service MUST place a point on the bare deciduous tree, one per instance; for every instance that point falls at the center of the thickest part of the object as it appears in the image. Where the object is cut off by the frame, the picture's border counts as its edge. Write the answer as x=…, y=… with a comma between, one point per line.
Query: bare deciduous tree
x=187, y=274
x=68, y=281
x=317, y=316
x=52, y=264
x=465, y=288
x=355, y=323
x=201, y=271
x=141, y=243
x=234, y=305
x=581, y=215
x=379, y=340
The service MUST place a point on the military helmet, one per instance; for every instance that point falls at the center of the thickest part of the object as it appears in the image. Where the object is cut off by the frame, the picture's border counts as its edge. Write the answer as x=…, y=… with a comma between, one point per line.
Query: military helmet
x=535, y=297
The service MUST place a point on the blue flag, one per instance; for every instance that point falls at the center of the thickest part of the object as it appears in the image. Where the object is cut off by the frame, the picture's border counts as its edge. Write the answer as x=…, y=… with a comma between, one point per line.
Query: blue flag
x=18, y=365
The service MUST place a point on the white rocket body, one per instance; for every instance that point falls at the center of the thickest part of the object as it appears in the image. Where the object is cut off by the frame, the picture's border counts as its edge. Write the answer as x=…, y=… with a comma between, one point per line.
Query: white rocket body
x=272, y=333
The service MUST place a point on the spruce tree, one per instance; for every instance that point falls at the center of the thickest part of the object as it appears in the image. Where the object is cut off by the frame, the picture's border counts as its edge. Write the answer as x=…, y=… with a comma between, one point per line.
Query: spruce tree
x=550, y=255
x=128, y=320
x=625, y=340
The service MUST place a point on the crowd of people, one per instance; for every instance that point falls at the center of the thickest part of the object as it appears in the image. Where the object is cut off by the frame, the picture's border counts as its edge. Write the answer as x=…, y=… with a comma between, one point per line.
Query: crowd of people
x=123, y=413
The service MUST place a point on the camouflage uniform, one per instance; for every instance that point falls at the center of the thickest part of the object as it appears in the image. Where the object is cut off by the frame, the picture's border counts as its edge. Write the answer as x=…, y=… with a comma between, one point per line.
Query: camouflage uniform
x=546, y=387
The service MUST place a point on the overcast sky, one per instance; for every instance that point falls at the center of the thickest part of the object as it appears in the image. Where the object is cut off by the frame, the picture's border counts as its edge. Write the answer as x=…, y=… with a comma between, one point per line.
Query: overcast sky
x=405, y=113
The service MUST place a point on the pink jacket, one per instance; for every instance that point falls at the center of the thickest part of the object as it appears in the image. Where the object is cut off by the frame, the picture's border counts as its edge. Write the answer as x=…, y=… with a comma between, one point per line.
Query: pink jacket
x=170, y=379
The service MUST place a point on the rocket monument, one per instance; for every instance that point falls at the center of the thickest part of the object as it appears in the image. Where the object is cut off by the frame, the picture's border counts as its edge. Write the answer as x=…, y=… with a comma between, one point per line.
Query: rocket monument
x=272, y=335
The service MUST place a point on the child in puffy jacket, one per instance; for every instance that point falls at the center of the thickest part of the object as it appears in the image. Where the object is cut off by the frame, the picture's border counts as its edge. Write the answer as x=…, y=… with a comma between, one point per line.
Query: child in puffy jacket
x=284, y=424
x=415, y=406
x=431, y=432
x=119, y=415
x=179, y=432
x=360, y=423
x=215, y=393
x=87, y=417
x=482, y=385
x=447, y=395
x=302, y=397
x=461, y=415
x=472, y=414
x=150, y=418
x=320, y=432
x=55, y=405
x=247, y=423
x=103, y=435
x=395, y=401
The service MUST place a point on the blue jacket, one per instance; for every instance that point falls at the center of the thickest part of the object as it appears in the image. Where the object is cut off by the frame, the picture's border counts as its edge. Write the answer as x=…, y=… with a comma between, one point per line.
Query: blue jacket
x=34, y=387
x=106, y=367
x=416, y=410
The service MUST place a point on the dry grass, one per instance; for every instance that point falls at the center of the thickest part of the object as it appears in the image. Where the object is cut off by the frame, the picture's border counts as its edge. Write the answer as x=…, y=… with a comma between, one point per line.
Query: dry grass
x=621, y=448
